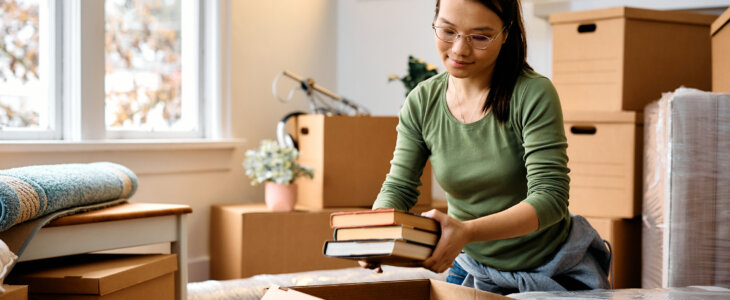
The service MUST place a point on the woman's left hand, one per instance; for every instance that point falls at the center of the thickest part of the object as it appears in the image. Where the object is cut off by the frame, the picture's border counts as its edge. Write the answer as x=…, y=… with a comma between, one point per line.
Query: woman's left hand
x=454, y=236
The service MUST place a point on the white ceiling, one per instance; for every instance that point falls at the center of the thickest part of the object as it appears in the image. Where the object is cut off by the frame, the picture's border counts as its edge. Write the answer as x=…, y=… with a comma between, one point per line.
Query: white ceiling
x=543, y=8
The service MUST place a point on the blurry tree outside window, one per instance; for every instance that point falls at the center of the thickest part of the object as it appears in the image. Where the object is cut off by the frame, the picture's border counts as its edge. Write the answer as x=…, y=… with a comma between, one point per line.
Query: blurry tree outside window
x=144, y=62
x=23, y=104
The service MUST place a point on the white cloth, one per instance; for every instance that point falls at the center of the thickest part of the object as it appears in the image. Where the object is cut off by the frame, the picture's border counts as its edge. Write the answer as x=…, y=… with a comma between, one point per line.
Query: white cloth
x=7, y=259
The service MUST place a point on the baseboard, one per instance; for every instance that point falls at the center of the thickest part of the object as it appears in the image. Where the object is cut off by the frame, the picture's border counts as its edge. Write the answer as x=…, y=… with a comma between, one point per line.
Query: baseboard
x=199, y=269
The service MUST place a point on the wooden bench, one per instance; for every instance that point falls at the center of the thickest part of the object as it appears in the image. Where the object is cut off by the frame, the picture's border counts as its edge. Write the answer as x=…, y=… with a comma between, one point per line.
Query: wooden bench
x=122, y=226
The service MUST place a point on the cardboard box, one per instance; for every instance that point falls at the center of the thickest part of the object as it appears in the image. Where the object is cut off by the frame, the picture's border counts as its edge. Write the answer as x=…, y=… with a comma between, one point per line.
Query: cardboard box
x=14, y=292
x=625, y=238
x=99, y=276
x=248, y=239
x=604, y=157
x=720, y=49
x=441, y=205
x=421, y=289
x=622, y=58
x=351, y=157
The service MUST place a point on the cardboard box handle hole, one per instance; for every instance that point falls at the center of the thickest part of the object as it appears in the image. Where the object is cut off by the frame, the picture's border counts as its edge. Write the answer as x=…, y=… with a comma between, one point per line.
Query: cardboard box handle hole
x=586, y=28
x=583, y=129
x=304, y=131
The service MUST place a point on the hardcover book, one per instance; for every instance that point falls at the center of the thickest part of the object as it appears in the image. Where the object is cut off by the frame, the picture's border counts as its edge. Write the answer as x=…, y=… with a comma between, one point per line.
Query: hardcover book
x=386, y=232
x=382, y=217
x=387, y=251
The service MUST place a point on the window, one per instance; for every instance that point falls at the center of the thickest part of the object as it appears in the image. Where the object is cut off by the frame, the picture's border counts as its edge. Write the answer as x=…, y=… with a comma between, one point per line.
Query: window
x=27, y=108
x=146, y=65
x=144, y=83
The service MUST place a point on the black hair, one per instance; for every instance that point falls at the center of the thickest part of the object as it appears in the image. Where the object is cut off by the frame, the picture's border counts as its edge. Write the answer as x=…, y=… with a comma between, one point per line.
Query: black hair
x=512, y=59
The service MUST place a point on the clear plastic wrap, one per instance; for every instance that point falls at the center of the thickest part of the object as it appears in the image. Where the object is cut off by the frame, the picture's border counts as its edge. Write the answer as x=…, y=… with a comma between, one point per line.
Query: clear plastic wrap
x=253, y=287
x=686, y=201
x=692, y=292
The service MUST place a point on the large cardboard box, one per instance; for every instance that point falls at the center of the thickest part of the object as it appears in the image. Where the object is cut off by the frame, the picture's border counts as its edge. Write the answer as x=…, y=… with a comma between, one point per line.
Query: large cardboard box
x=248, y=239
x=720, y=49
x=422, y=289
x=605, y=154
x=351, y=157
x=622, y=58
x=99, y=276
x=625, y=238
x=14, y=292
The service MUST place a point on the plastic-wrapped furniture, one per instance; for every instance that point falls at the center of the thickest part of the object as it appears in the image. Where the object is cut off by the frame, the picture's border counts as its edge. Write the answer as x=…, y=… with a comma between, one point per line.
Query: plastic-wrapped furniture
x=686, y=228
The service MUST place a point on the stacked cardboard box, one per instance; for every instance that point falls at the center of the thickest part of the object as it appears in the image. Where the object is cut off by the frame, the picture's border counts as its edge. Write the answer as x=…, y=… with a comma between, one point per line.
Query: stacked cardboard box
x=720, y=49
x=351, y=156
x=608, y=64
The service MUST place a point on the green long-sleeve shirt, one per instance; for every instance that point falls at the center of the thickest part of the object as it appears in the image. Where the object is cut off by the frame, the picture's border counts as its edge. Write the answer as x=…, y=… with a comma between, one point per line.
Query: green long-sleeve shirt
x=486, y=167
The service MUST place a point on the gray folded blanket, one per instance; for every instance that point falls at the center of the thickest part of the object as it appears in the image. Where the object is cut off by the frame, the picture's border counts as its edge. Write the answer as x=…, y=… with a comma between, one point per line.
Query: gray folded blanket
x=31, y=192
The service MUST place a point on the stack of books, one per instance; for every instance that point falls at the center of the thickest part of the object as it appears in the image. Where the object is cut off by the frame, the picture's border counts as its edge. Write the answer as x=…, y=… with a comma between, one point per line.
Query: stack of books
x=385, y=236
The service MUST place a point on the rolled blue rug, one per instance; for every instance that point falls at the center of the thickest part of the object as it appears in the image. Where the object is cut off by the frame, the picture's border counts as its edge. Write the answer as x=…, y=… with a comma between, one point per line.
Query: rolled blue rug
x=31, y=192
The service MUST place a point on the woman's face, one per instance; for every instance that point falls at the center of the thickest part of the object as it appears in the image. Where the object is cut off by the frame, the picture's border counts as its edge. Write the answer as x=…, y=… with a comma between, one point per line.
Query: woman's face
x=466, y=17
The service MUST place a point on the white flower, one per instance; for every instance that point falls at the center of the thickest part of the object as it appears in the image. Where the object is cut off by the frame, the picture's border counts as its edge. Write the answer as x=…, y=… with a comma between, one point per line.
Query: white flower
x=274, y=163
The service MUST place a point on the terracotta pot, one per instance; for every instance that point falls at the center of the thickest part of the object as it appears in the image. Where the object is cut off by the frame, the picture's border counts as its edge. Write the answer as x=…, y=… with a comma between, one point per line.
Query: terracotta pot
x=280, y=197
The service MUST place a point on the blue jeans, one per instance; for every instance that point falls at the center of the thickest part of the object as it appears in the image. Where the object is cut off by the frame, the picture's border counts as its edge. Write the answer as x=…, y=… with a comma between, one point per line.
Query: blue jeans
x=456, y=274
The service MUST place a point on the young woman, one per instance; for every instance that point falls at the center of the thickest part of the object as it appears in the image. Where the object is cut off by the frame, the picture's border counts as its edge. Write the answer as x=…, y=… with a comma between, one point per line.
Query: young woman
x=493, y=131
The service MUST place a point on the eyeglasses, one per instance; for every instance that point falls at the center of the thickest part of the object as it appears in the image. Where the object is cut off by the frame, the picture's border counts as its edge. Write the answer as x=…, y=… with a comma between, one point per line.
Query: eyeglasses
x=477, y=41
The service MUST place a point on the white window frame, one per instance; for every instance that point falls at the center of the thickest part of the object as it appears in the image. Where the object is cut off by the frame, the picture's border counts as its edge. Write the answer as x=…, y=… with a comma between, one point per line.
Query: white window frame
x=49, y=71
x=84, y=90
x=76, y=76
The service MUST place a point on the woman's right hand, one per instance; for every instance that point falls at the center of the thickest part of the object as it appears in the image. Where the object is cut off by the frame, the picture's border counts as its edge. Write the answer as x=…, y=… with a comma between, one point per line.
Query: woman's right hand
x=454, y=236
x=371, y=265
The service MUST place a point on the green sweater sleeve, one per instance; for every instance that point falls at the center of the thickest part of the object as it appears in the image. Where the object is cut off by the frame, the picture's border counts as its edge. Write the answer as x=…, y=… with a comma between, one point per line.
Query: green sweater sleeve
x=400, y=189
x=540, y=121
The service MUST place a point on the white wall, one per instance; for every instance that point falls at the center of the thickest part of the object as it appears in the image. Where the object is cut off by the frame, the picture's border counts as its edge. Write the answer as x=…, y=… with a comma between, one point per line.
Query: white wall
x=375, y=38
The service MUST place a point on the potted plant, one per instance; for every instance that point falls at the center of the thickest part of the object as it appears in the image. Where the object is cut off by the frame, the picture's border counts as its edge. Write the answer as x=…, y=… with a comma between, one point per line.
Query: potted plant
x=418, y=70
x=276, y=166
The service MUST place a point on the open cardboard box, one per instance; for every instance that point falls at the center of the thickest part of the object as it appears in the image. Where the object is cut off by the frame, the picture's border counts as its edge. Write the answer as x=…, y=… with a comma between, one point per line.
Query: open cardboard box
x=99, y=276
x=421, y=289
x=14, y=292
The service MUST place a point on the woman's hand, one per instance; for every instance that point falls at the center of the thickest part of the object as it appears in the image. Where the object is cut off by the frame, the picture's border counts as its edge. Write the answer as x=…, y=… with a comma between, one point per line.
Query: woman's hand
x=454, y=236
x=370, y=265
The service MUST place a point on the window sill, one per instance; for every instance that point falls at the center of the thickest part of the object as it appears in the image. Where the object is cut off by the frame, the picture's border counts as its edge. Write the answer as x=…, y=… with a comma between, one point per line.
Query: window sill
x=144, y=157
x=120, y=145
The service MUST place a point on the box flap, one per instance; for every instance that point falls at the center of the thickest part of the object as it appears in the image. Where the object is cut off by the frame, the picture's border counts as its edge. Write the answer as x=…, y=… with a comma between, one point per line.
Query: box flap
x=441, y=290
x=603, y=117
x=14, y=292
x=405, y=290
x=401, y=289
x=632, y=13
x=720, y=22
x=94, y=274
x=275, y=292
